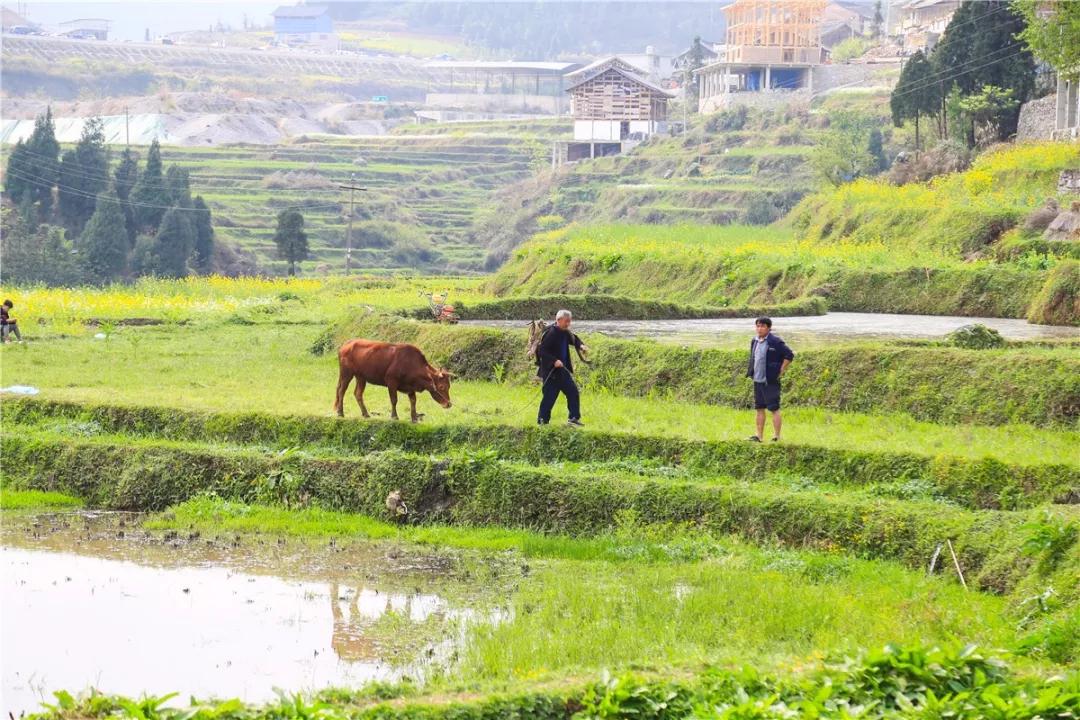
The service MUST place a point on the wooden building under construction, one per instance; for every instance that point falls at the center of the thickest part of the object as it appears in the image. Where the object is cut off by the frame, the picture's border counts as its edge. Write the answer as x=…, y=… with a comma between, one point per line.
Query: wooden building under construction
x=770, y=45
x=614, y=106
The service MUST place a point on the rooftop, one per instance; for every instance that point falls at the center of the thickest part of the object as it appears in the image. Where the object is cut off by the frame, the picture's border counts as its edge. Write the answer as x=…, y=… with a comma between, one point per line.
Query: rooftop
x=614, y=62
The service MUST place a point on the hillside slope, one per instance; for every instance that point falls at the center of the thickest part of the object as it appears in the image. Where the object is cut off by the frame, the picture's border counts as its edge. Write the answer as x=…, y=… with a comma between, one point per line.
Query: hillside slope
x=735, y=166
x=424, y=192
x=951, y=246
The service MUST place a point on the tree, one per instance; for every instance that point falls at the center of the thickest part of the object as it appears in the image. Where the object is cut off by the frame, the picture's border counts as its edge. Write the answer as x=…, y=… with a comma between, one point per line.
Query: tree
x=875, y=146
x=979, y=48
x=124, y=179
x=694, y=61
x=84, y=174
x=33, y=168
x=204, y=235
x=173, y=244
x=1052, y=33
x=878, y=22
x=916, y=93
x=150, y=197
x=842, y=154
x=178, y=183
x=290, y=238
x=103, y=245
x=984, y=110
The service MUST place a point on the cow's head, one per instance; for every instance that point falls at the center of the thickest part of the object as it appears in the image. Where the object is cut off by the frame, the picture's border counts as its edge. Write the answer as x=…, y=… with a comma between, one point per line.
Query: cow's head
x=440, y=387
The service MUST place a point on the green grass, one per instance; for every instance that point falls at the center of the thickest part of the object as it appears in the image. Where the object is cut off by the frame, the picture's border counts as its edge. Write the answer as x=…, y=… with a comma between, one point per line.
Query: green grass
x=867, y=246
x=36, y=500
x=199, y=367
x=732, y=611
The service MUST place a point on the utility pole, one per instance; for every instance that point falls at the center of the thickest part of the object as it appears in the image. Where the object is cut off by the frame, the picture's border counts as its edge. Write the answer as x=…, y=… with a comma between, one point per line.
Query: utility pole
x=352, y=188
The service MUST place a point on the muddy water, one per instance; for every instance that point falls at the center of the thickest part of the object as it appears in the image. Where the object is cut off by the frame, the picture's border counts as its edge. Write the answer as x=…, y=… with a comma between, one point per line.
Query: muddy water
x=91, y=601
x=805, y=331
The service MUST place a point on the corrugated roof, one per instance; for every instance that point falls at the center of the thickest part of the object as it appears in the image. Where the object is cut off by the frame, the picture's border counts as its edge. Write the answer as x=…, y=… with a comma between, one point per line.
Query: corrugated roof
x=299, y=11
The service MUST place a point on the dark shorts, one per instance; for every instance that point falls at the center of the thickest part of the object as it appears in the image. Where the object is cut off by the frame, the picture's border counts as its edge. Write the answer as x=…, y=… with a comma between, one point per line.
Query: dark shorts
x=767, y=395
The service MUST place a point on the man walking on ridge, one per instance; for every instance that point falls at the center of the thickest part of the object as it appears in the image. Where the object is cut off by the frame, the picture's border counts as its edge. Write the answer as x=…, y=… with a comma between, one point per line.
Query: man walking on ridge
x=557, y=371
x=769, y=359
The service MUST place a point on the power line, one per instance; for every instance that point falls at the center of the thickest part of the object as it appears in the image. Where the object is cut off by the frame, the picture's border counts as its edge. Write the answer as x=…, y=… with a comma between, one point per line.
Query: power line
x=916, y=88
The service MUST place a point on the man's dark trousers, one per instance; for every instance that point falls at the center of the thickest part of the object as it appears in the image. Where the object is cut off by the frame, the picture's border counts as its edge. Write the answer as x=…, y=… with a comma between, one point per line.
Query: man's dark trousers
x=562, y=381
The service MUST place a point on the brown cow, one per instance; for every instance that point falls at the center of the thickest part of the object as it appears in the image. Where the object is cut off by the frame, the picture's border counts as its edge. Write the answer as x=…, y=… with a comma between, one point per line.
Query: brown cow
x=396, y=366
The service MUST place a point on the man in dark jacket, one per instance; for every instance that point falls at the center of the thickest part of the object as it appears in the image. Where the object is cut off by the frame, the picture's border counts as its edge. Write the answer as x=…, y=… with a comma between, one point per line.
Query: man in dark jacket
x=8, y=325
x=769, y=359
x=557, y=370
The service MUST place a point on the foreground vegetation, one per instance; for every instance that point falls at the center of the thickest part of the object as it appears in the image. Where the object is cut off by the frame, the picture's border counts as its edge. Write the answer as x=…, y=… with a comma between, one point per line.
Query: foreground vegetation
x=717, y=578
x=895, y=682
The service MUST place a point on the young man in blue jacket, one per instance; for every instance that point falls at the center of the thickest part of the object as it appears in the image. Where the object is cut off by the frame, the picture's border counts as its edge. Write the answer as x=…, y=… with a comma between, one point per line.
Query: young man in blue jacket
x=769, y=359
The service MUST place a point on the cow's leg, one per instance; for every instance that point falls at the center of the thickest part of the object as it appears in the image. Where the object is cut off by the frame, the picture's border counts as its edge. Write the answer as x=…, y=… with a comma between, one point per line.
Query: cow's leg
x=359, y=392
x=393, y=401
x=344, y=378
x=412, y=408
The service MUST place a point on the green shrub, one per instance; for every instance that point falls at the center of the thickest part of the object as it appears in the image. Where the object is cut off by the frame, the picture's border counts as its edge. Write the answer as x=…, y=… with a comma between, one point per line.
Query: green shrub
x=976, y=337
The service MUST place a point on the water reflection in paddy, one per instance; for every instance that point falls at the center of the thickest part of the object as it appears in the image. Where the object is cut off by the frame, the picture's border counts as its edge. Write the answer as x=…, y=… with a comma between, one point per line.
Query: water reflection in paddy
x=85, y=607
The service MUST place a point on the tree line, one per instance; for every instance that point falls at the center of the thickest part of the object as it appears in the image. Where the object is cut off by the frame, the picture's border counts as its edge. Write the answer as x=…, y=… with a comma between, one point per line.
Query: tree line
x=971, y=84
x=70, y=216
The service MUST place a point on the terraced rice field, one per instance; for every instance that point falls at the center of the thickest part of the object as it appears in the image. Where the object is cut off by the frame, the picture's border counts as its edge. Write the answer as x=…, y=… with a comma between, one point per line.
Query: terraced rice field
x=653, y=565
x=435, y=185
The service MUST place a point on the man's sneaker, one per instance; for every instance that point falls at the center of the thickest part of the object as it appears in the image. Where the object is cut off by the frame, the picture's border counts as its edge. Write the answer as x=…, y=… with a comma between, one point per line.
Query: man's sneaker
x=754, y=438
x=776, y=439
x=575, y=422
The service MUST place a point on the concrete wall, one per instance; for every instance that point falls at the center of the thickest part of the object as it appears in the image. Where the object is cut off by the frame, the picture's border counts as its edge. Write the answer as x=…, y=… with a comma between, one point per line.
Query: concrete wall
x=763, y=99
x=596, y=130
x=1037, y=119
x=831, y=77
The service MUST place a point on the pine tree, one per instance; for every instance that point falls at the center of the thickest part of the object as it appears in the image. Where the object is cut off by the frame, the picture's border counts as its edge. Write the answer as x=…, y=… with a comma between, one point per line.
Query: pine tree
x=127, y=173
x=178, y=183
x=84, y=174
x=980, y=47
x=103, y=245
x=695, y=61
x=18, y=252
x=173, y=244
x=878, y=21
x=17, y=181
x=875, y=145
x=33, y=167
x=915, y=94
x=204, y=235
x=290, y=238
x=150, y=196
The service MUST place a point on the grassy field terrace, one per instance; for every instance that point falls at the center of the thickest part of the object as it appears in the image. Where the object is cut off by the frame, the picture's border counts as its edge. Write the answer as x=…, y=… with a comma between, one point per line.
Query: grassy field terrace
x=434, y=186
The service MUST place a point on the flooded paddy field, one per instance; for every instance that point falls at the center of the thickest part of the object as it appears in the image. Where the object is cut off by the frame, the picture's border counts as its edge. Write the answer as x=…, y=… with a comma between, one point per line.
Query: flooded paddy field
x=91, y=600
x=813, y=330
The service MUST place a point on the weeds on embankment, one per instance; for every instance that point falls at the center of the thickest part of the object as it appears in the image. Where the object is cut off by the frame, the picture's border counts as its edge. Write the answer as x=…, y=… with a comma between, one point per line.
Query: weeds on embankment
x=888, y=684
x=972, y=482
x=936, y=383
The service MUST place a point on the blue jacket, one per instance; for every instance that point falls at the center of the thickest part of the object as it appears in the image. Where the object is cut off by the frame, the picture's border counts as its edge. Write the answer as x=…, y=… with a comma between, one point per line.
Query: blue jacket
x=775, y=356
